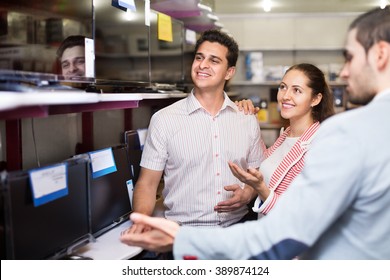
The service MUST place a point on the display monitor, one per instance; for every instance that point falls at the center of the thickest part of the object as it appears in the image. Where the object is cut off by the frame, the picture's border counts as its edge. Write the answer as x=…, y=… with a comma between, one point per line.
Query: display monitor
x=109, y=196
x=134, y=152
x=31, y=32
x=51, y=230
x=167, y=60
x=121, y=42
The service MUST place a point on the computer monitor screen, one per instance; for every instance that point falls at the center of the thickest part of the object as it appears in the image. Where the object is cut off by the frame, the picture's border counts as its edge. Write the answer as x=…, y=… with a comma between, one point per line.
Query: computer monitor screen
x=121, y=42
x=48, y=230
x=134, y=152
x=166, y=56
x=32, y=31
x=109, y=196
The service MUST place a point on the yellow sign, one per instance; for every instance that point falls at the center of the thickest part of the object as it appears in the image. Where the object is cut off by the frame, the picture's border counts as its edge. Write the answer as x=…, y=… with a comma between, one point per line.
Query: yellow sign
x=164, y=27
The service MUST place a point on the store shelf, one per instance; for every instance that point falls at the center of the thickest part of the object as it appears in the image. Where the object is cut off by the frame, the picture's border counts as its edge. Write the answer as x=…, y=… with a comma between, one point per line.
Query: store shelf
x=17, y=105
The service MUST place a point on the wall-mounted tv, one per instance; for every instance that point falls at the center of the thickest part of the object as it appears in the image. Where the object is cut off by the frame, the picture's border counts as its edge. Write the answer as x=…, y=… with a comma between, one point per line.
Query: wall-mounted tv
x=32, y=31
x=166, y=56
x=121, y=42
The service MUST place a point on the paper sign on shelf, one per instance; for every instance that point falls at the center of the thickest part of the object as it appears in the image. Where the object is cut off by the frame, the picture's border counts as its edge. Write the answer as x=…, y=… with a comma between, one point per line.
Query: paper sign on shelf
x=147, y=12
x=48, y=183
x=190, y=37
x=102, y=162
x=89, y=58
x=164, y=27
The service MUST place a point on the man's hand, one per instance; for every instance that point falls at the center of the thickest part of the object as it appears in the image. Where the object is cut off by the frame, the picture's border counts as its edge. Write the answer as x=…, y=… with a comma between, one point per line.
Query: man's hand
x=240, y=197
x=159, y=238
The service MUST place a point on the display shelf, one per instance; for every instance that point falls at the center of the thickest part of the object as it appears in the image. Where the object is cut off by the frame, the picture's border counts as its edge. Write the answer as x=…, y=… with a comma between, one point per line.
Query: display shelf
x=12, y=100
x=164, y=95
x=80, y=108
x=24, y=112
x=109, y=247
x=16, y=105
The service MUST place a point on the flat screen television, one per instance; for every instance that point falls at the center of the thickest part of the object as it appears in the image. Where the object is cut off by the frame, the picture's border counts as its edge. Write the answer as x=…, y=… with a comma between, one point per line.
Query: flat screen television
x=167, y=59
x=53, y=229
x=121, y=42
x=134, y=152
x=32, y=31
x=109, y=197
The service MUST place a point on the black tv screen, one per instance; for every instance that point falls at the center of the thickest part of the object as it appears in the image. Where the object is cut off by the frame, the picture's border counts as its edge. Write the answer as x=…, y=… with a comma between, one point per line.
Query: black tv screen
x=167, y=60
x=134, y=152
x=47, y=231
x=109, y=196
x=121, y=42
x=32, y=31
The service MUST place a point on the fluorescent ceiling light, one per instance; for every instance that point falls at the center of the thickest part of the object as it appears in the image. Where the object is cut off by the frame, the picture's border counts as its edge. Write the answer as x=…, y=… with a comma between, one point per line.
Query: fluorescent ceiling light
x=218, y=24
x=213, y=17
x=267, y=5
x=204, y=7
x=383, y=4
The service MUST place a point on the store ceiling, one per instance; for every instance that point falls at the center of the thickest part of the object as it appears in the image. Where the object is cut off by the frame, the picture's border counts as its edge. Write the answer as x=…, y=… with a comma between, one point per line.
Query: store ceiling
x=198, y=19
x=245, y=7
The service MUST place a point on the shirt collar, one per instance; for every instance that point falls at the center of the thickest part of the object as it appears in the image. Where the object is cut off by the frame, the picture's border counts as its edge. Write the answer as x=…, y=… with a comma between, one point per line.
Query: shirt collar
x=193, y=104
x=381, y=94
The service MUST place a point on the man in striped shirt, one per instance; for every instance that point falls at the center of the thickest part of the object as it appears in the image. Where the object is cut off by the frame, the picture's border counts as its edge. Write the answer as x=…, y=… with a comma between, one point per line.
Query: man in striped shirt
x=191, y=141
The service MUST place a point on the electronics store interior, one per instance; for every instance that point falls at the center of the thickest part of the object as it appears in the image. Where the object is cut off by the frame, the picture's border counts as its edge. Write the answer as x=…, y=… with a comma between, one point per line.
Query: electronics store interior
x=71, y=143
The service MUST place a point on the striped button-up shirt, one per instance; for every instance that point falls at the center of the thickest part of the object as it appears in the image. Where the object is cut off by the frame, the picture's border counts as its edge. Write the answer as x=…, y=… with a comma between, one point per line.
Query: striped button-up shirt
x=193, y=148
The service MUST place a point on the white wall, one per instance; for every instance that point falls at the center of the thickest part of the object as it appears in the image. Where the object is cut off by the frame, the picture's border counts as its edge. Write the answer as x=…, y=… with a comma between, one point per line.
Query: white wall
x=295, y=31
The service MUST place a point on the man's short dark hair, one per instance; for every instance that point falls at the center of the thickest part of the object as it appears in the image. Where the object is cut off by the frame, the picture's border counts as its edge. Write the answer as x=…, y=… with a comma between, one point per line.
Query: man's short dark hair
x=216, y=36
x=372, y=27
x=70, y=42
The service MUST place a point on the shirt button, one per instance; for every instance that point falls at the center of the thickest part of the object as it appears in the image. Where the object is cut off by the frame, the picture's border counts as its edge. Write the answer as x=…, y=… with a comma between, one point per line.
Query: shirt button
x=218, y=174
x=189, y=257
x=216, y=155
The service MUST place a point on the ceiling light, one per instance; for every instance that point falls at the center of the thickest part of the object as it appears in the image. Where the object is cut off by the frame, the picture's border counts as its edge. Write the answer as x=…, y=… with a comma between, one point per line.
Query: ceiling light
x=267, y=5
x=218, y=24
x=212, y=17
x=383, y=4
x=204, y=7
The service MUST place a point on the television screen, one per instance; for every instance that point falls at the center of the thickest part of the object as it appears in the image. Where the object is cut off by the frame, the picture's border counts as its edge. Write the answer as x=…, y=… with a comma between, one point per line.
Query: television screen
x=121, y=42
x=31, y=32
x=166, y=56
x=134, y=152
x=109, y=196
x=47, y=231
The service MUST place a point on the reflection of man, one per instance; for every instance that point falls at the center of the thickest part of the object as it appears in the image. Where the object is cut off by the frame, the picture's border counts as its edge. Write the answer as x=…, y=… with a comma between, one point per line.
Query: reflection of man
x=71, y=55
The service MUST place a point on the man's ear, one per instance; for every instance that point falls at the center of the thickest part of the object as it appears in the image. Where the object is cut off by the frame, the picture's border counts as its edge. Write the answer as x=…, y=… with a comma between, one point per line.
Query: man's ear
x=383, y=54
x=230, y=73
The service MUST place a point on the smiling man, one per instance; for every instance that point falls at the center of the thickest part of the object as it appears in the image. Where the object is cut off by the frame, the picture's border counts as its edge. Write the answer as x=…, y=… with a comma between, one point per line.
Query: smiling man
x=191, y=141
x=71, y=55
